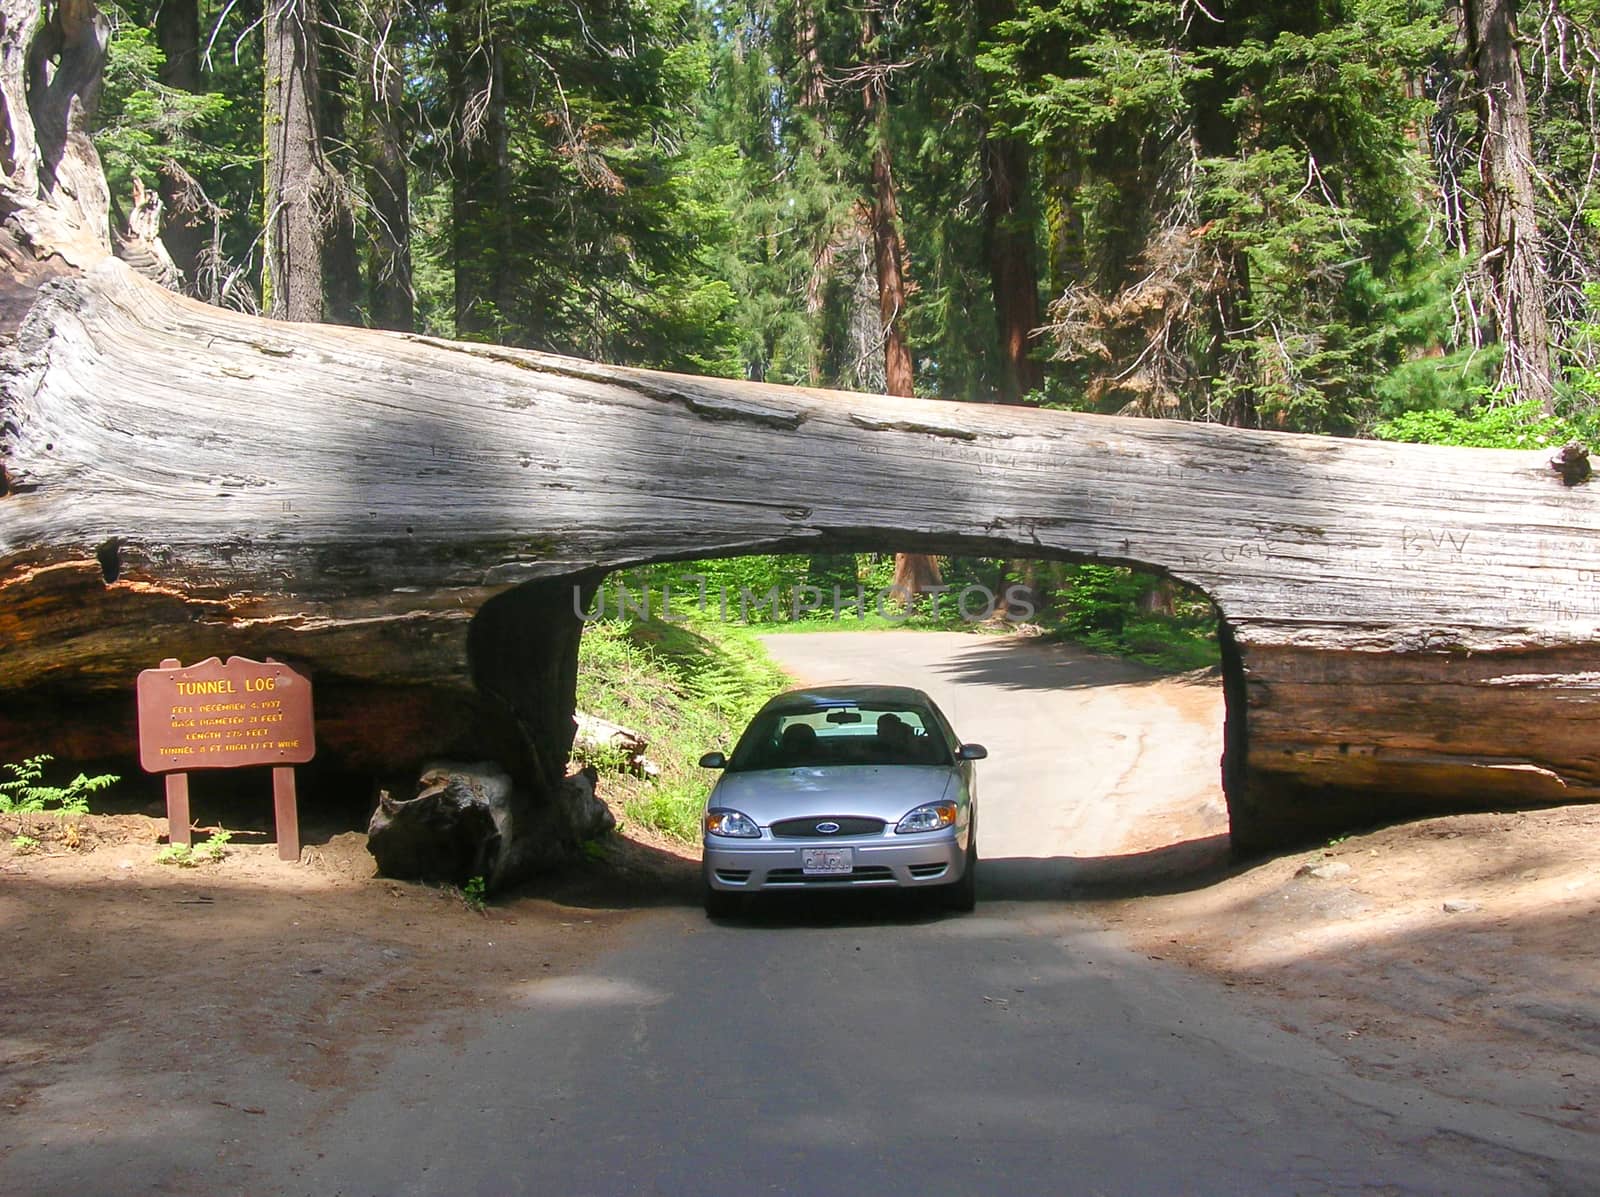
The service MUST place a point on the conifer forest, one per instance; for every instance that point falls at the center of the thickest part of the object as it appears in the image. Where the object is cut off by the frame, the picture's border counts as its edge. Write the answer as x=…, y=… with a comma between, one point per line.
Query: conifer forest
x=1358, y=218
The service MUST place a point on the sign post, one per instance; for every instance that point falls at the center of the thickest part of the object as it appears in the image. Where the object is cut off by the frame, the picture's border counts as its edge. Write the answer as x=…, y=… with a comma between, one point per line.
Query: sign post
x=213, y=715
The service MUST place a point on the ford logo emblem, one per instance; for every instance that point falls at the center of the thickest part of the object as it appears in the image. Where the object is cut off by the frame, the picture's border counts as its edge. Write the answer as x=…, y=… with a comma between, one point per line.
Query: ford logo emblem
x=827, y=828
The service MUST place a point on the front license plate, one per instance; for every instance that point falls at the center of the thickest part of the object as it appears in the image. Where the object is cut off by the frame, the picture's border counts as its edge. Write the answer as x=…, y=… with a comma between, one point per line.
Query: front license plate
x=821, y=861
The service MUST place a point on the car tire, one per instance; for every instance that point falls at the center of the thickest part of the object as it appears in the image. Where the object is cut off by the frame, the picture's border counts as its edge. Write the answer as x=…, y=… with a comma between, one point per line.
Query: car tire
x=962, y=897
x=720, y=904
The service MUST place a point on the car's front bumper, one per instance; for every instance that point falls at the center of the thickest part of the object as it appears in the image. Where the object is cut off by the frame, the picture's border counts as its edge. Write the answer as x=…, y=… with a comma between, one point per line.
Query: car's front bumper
x=768, y=865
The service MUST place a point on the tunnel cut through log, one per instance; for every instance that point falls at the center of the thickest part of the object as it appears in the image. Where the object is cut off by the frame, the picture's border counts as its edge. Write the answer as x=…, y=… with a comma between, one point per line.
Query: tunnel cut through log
x=1407, y=628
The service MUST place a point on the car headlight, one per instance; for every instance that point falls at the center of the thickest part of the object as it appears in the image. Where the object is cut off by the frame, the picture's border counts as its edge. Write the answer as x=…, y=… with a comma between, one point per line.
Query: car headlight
x=731, y=823
x=933, y=817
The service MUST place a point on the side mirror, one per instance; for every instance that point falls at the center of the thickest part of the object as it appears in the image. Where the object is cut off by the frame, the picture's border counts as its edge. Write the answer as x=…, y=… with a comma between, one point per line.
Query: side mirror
x=971, y=752
x=713, y=760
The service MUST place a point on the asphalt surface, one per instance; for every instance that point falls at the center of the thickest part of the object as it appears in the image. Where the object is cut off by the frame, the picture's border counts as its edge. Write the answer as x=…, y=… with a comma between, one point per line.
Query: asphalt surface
x=877, y=1048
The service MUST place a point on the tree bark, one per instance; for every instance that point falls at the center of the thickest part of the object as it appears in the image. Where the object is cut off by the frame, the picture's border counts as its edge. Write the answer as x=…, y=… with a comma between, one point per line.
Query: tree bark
x=297, y=190
x=813, y=92
x=391, y=301
x=178, y=36
x=913, y=573
x=1513, y=258
x=899, y=377
x=1013, y=271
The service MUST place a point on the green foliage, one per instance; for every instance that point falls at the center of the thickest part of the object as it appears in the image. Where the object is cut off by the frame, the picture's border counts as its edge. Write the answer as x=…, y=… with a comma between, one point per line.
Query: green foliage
x=1507, y=426
x=687, y=688
x=180, y=855
x=1111, y=609
x=23, y=844
x=142, y=123
x=25, y=791
x=593, y=231
x=189, y=856
x=1583, y=375
x=475, y=893
x=1235, y=214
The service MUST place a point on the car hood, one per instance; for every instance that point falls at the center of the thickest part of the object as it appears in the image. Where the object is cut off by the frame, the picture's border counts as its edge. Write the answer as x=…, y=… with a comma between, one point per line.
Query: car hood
x=875, y=791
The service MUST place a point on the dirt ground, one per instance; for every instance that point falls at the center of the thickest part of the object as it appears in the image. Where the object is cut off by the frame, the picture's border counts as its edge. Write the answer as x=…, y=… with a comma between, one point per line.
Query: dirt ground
x=130, y=985
x=1457, y=951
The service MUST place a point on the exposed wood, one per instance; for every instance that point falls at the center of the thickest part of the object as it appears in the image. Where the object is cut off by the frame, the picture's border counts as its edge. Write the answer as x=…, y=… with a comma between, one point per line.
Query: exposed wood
x=141, y=246
x=600, y=735
x=1410, y=625
x=417, y=525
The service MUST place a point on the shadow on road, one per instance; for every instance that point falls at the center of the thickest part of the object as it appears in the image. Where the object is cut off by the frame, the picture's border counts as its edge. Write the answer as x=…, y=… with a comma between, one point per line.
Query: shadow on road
x=1173, y=868
x=1016, y=664
x=647, y=877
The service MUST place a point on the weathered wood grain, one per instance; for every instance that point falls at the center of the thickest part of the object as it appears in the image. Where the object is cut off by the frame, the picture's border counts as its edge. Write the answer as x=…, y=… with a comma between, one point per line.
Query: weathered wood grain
x=416, y=522
x=1413, y=625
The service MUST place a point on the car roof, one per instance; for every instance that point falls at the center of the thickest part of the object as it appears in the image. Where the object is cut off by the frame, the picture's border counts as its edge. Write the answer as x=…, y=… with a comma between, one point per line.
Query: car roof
x=815, y=697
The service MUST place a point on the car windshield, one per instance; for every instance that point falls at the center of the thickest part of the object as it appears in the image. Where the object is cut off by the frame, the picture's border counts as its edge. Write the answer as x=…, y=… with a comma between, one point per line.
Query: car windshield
x=841, y=734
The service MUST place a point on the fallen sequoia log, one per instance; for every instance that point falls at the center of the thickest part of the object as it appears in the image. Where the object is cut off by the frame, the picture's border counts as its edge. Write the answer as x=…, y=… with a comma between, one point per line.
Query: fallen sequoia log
x=417, y=524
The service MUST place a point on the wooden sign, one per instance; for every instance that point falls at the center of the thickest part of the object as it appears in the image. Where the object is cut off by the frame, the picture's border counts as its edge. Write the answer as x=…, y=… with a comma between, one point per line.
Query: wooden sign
x=216, y=715
x=223, y=716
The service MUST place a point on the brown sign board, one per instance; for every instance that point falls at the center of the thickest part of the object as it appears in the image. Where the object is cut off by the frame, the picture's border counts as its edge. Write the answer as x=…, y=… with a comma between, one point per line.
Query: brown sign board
x=223, y=716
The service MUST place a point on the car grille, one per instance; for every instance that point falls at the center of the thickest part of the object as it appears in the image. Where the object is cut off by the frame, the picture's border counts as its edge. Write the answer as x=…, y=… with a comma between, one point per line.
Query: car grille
x=924, y=872
x=733, y=876
x=861, y=874
x=848, y=825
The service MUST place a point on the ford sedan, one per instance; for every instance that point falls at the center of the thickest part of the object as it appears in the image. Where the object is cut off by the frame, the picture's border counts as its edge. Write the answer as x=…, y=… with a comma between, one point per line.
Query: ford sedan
x=843, y=787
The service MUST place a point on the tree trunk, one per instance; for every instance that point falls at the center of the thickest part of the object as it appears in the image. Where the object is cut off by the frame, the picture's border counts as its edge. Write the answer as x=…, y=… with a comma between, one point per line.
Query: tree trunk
x=913, y=573
x=813, y=91
x=178, y=36
x=888, y=252
x=479, y=175
x=1013, y=274
x=471, y=823
x=899, y=378
x=1513, y=259
x=1404, y=628
x=391, y=301
x=297, y=186
x=1392, y=660
x=1009, y=244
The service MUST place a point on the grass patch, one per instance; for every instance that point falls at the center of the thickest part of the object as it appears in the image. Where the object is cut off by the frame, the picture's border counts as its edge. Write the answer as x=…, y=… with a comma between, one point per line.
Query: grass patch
x=688, y=688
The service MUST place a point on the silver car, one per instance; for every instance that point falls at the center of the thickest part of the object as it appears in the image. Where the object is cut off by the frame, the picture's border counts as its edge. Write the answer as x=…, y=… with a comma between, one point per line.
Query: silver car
x=843, y=787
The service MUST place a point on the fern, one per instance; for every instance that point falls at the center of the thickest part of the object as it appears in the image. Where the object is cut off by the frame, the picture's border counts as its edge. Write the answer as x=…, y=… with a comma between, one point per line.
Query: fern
x=25, y=792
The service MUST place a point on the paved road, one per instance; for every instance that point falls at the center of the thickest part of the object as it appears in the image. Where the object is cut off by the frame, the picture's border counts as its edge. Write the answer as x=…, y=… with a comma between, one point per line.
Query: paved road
x=871, y=1049
x=1089, y=756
